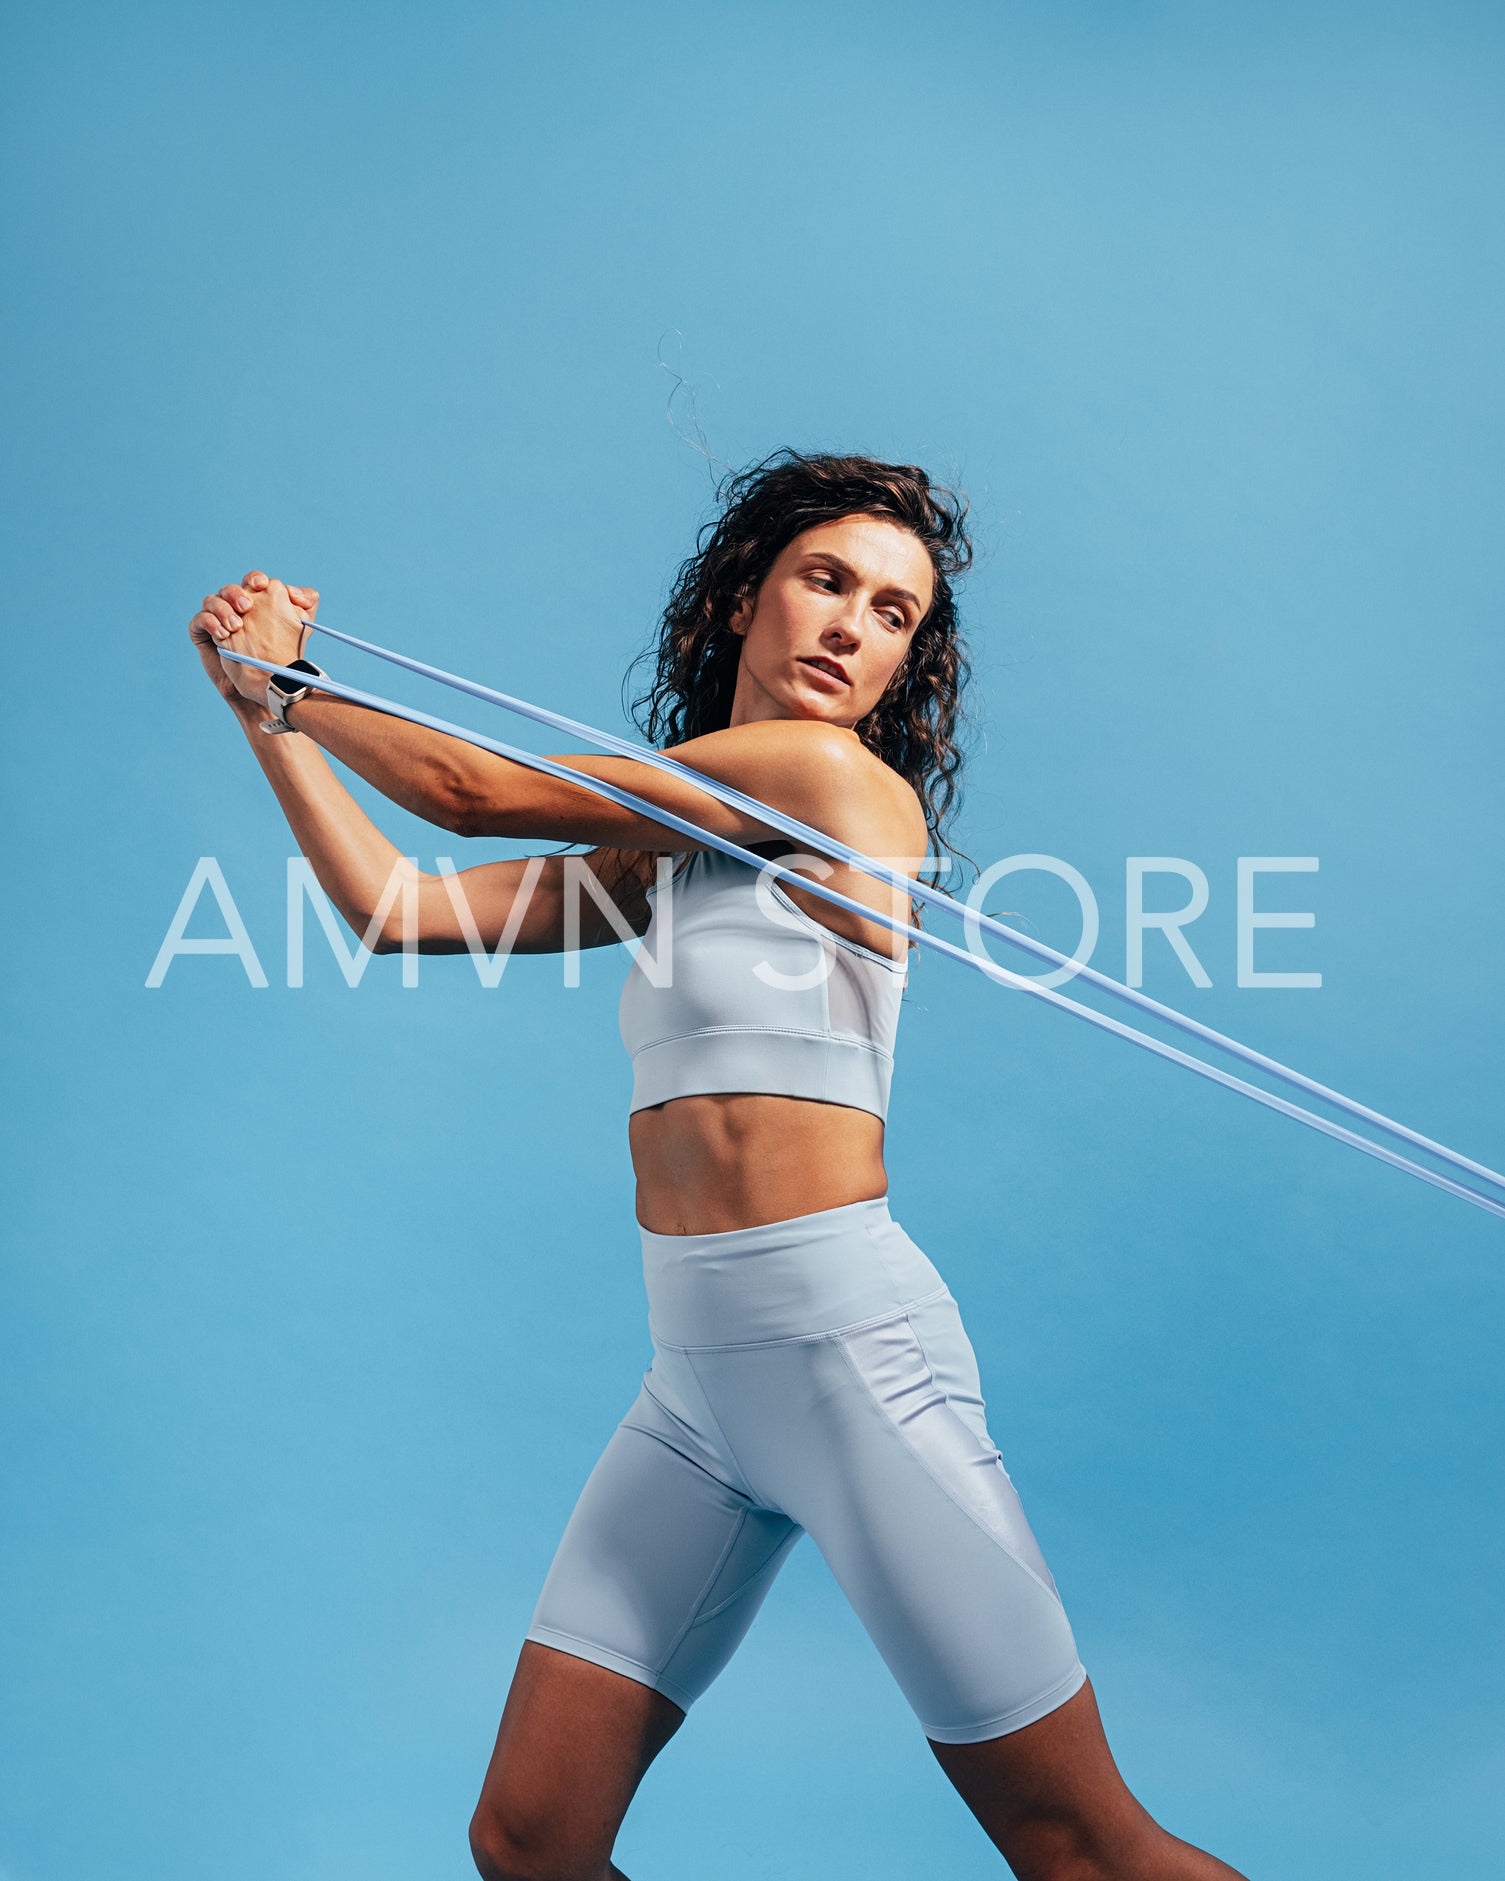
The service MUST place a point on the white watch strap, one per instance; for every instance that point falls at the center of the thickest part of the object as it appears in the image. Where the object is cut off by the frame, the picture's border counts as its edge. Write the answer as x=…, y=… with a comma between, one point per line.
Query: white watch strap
x=278, y=702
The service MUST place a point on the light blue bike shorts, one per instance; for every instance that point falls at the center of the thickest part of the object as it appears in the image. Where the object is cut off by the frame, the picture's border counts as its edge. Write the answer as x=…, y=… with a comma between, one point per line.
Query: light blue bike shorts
x=811, y=1375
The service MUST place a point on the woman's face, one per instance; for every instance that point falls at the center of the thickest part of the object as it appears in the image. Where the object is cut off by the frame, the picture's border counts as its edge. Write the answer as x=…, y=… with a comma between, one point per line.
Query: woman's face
x=832, y=622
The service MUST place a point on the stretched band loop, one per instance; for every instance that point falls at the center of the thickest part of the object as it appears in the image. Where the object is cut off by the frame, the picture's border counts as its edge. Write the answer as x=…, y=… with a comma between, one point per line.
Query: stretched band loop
x=919, y=891
x=981, y=963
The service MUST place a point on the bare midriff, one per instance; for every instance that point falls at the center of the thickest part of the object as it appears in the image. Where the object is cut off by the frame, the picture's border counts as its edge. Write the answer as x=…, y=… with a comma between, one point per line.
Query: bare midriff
x=736, y=1159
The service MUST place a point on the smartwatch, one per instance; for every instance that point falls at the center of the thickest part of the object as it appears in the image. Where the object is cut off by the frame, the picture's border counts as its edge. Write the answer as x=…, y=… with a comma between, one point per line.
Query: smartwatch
x=283, y=692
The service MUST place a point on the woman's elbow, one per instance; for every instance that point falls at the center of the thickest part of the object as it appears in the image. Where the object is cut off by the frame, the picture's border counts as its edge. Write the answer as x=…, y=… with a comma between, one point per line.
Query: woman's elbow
x=390, y=941
x=392, y=936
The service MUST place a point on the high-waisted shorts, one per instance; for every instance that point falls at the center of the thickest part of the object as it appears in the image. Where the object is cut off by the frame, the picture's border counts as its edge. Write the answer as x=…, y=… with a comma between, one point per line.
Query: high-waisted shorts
x=811, y=1375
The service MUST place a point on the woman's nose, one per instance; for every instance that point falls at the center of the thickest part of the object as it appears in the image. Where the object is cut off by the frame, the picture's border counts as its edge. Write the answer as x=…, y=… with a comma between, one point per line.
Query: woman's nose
x=847, y=624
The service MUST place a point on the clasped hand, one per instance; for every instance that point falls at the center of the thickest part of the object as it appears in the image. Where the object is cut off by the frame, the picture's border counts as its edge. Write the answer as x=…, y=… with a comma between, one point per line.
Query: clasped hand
x=259, y=617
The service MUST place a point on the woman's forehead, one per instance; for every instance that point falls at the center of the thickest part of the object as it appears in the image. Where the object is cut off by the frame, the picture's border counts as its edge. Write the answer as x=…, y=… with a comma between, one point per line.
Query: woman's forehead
x=879, y=550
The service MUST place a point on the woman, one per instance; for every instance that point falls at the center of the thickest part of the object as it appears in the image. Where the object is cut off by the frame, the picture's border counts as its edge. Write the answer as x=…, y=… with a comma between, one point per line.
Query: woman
x=810, y=1370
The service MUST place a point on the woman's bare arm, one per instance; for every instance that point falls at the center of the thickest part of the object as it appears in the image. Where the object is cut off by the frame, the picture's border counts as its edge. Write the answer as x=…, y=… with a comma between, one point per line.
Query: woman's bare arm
x=378, y=890
x=817, y=772
x=522, y=899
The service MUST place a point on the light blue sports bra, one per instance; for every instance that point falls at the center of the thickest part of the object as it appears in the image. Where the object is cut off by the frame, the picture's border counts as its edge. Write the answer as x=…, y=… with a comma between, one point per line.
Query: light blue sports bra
x=755, y=995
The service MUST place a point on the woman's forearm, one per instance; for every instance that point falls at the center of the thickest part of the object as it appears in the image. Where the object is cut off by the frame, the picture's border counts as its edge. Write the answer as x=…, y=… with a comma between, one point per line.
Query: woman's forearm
x=440, y=777
x=430, y=773
x=350, y=856
x=478, y=793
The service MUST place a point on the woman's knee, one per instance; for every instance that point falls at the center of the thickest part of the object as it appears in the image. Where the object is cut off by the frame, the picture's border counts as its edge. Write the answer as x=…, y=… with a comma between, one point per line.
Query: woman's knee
x=1048, y=1847
x=1055, y=1845
x=497, y=1857
x=506, y=1846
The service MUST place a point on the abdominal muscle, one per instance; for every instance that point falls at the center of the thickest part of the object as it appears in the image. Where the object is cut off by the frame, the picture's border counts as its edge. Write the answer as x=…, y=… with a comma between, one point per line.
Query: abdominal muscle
x=736, y=1159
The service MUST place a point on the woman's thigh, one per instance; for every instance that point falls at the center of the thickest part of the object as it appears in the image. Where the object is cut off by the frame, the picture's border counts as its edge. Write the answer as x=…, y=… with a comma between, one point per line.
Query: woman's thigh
x=659, y=1572
x=874, y=1439
x=663, y=1563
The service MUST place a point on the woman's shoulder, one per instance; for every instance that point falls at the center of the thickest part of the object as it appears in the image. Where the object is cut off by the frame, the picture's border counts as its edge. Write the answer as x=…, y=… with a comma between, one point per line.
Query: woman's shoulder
x=817, y=764
x=786, y=736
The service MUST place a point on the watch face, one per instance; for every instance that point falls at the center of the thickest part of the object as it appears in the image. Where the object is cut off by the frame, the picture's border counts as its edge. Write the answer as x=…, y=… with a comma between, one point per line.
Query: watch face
x=287, y=686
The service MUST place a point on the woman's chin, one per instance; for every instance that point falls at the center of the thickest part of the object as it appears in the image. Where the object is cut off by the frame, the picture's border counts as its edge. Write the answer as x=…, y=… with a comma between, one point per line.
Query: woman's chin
x=817, y=701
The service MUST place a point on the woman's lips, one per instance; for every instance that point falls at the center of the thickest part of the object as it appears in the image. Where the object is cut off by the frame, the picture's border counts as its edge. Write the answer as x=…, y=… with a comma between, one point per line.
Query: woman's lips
x=822, y=672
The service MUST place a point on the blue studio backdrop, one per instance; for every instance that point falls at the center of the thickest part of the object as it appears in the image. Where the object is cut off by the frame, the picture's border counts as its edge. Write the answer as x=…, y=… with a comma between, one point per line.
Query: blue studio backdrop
x=321, y=1300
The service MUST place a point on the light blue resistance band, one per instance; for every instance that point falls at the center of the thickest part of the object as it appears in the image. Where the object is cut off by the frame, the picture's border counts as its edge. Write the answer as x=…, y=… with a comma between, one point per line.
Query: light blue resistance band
x=919, y=891
x=975, y=921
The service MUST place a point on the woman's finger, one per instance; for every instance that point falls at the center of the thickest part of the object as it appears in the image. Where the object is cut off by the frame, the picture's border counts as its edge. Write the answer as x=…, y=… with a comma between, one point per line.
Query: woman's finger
x=239, y=598
x=222, y=611
x=256, y=581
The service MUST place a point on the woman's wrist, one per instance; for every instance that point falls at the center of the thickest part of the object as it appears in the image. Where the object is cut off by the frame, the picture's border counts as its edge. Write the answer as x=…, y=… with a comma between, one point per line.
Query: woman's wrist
x=250, y=712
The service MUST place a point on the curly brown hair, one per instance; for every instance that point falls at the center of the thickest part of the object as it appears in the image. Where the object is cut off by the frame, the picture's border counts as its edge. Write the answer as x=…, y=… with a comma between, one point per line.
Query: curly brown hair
x=914, y=726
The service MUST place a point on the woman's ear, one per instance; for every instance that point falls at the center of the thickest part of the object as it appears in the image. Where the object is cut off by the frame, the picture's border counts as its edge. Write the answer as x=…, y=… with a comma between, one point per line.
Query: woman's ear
x=740, y=615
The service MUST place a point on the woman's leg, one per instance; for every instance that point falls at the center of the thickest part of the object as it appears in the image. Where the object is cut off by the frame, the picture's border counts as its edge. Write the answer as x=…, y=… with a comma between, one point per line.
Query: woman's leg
x=574, y=1743
x=576, y=1740
x=1052, y=1801
x=874, y=1438
x=657, y=1577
